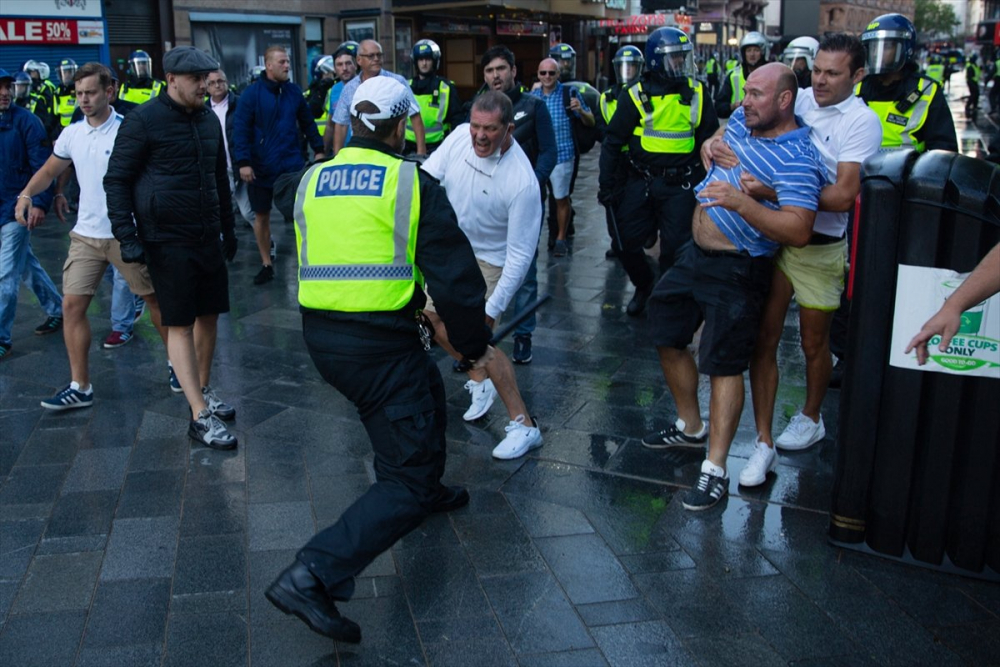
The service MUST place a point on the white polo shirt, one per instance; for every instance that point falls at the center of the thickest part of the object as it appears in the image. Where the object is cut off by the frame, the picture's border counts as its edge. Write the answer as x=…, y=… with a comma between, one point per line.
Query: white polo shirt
x=845, y=132
x=89, y=148
x=221, y=109
x=498, y=205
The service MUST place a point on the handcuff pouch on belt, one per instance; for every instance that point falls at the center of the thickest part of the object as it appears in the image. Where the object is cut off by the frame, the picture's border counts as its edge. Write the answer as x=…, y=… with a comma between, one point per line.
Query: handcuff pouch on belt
x=425, y=330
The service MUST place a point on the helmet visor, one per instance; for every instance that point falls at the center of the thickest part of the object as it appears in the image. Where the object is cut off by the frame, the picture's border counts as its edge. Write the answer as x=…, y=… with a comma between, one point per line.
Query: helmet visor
x=567, y=68
x=21, y=89
x=141, y=67
x=886, y=51
x=678, y=61
x=793, y=53
x=66, y=73
x=628, y=71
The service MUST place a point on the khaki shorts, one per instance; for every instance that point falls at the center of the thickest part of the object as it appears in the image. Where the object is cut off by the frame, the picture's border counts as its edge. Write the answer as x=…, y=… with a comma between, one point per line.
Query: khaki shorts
x=88, y=260
x=816, y=273
x=491, y=274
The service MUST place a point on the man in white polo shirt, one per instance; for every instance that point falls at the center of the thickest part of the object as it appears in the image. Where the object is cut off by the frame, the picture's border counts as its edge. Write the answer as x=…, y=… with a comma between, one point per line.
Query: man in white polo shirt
x=493, y=189
x=87, y=146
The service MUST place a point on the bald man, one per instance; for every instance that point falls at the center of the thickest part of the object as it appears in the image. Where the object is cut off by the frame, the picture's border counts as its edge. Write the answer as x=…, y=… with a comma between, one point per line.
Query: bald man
x=370, y=64
x=722, y=277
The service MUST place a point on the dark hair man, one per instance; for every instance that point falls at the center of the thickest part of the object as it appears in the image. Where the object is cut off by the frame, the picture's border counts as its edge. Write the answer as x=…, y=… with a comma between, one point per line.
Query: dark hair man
x=168, y=173
x=345, y=65
x=370, y=229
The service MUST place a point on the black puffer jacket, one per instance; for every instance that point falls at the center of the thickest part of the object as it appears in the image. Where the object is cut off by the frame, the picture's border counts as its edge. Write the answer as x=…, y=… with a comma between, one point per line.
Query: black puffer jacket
x=168, y=168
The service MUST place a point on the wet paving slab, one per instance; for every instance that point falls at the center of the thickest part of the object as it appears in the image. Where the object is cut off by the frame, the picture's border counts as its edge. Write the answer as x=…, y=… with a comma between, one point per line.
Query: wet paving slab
x=121, y=543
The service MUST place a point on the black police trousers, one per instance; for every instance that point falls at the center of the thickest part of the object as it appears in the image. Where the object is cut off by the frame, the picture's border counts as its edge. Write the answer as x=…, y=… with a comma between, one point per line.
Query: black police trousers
x=647, y=207
x=400, y=398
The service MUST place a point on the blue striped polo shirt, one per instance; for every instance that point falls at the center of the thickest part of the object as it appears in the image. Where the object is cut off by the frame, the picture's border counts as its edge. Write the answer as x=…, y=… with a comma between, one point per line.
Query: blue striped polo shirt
x=789, y=165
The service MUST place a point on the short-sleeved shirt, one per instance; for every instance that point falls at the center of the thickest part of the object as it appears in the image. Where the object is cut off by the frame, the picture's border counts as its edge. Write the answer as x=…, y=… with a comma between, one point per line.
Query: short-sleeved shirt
x=342, y=112
x=90, y=148
x=789, y=164
x=845, y=132
x=565, y=146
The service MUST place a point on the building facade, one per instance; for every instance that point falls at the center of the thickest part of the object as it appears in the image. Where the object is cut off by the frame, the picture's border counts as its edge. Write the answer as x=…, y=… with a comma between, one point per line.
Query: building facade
x=853, y=16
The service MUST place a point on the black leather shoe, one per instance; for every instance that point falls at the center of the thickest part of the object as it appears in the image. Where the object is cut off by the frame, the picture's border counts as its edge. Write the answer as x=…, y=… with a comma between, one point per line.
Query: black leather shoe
x=452, y=498
x=297, y=591
x=610, y=253
x=837, y=375
x=638, y=302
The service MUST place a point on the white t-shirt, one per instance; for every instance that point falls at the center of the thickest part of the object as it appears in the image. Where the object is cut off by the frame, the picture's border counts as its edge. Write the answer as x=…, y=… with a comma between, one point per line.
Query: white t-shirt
x=845, y=132
x=498, y=205
x=90, y=148
x=221, y=109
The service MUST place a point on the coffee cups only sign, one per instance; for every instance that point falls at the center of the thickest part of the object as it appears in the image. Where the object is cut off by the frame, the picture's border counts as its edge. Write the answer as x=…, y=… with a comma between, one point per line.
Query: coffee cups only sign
x=975, y=349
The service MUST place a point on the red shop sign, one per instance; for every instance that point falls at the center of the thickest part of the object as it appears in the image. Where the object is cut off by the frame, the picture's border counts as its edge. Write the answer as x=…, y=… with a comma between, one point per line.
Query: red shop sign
x=51, y=31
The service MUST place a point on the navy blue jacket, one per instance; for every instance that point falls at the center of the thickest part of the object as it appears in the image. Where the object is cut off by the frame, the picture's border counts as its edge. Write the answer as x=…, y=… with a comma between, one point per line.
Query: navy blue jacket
x=267, y=127
x=24, y=148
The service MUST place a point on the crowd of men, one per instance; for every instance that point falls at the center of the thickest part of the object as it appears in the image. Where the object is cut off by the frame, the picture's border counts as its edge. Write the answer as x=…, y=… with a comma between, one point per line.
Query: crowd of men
x=745, y=178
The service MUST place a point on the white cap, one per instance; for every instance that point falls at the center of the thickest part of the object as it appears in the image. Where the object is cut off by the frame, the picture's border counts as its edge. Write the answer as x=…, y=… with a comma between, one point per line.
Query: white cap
x=390, y=97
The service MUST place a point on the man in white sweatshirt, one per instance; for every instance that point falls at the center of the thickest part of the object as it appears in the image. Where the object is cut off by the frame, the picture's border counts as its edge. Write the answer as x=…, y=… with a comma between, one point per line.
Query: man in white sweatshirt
x=494, y=191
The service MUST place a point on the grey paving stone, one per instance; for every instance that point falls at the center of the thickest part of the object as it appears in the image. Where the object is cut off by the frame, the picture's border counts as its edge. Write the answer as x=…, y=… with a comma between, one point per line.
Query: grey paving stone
x=388, y=634
x=212, y=466
x=18, y=540
x=141, y=549
x=582, y=448
x=63, y=582
x=733, y=649
x=285, y=641
x=208, y=564
x=463, y=641
x=497, y=544
x=374, y=587
x=32, y=485
x=641, y=644
x=128, y=612
x=279, y=525
x=278, y=482
x=545, y=519
x=586, y=568
x=97, y=469
x=70, y=545
x=214, y=510
x=8, y=589
x=583, y=658
x=535, y=614
x=617, y=611
x=691, y=603
x=41, y=640
x=151, y=493
x=976, y=643
x=659, y=561
x=211, y=640
x=440, y=582
x=50, y=446
x=83, y=513
x=147, y=655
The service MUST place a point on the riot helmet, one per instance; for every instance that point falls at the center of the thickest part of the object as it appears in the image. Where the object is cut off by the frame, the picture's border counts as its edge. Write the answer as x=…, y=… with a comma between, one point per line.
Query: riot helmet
x=754, y=39
x=140, y=65
x=565, y=55
x=670, y=54
x=22, y=85
x=349, y=47
x=804, y=48
x=628, y=62
x=889, y=42
x=37, y=67
x=324, y=66
x=67, y=68
x=427, y=49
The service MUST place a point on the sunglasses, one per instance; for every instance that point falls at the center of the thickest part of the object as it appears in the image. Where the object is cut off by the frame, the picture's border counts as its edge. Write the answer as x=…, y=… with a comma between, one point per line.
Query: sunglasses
x=541, y=73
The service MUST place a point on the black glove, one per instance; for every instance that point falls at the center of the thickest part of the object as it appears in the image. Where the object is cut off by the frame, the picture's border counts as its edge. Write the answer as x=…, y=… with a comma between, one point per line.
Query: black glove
x=229, y=245
x=132, y=251
x=606, y=198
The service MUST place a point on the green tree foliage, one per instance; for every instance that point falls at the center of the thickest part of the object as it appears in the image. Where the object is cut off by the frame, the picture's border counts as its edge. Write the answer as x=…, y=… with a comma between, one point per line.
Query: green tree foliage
x=933, y=17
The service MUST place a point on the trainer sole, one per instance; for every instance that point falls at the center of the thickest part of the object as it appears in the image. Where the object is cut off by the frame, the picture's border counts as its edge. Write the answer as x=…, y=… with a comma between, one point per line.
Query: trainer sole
x=68, y=406
x=489, y=404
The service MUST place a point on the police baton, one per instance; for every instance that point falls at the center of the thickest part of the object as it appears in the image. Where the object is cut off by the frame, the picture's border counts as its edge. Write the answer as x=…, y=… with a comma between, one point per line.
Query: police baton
x=614, y=225
x=465, y=365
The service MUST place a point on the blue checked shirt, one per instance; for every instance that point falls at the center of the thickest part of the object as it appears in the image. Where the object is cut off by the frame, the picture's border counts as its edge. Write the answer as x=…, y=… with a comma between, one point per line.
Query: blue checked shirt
x=565, y=148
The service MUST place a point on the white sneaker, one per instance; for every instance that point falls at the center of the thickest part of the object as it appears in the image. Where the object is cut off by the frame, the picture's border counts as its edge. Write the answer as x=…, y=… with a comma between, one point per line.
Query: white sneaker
x=801, y=433
x=483, y=395
x=761, y=462
x=519, y=441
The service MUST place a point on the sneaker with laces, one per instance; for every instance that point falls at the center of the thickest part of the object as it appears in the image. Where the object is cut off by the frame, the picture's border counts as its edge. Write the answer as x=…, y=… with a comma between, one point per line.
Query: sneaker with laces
x=709, y=490
x=70, y=398
x=215, y=405
x=561, y=249
x=175, y=384
x=519, y=441
x=211, y=432
x=801, y=433
x=116, y=339
x=265, y=275
x=483, y=394
x=522, y=350
x=50, y=325
x=674, y=436
x=761, y=462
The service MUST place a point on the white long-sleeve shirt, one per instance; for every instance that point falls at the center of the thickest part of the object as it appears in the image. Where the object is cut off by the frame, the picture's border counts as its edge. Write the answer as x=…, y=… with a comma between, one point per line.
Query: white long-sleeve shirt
x=498, y=205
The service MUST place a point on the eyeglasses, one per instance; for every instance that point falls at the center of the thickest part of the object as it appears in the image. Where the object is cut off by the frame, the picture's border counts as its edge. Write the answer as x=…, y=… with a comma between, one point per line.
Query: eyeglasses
x=546, y=73
x=370, y=56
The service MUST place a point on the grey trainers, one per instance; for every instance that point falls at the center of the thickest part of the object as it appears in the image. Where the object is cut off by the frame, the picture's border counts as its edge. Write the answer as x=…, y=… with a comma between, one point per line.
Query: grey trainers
x=211, y=432
x=216, y=406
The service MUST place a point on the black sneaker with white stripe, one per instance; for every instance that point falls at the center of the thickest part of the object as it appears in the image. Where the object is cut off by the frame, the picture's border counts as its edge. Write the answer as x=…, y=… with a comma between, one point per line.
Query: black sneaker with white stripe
x=709, y=490
x=69, y=398
x=211, y=432
x=674, y=436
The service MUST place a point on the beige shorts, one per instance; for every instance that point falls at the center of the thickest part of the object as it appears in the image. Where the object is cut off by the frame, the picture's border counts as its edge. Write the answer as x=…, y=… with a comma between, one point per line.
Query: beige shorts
x=88, y=260
x=816, y=273
x=491, y=274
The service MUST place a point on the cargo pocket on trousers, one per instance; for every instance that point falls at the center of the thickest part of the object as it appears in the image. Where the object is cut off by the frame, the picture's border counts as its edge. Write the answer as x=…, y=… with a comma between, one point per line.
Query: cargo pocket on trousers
x=412, y=426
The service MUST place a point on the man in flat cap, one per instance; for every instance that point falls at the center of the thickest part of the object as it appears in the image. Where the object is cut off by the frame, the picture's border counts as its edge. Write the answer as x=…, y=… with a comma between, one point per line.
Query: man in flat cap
x=168, y=171
x=371, y=229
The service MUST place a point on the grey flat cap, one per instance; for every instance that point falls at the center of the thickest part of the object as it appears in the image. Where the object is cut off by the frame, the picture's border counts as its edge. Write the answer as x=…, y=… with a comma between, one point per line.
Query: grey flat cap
x=188, y=60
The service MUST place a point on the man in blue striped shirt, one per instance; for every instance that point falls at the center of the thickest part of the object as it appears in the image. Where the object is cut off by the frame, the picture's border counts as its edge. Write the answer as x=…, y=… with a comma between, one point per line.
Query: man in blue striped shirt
x=722, y=278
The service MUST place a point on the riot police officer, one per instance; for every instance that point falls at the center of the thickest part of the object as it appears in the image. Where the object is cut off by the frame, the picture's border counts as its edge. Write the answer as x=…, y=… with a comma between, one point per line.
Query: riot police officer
x=440, y=107
x=663, y=118
x=40, y=83
x=753, y=52
x=65, y=96
x=712, y=67
x=565, y=56
x=318, y=94
x=140, y=86
x=799, y=55
x=935, y=68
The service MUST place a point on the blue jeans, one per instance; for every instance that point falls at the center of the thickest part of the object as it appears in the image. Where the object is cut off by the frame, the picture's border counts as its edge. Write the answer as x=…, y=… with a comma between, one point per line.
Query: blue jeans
x=122, y=301
x=17, y=263
x=526, y=295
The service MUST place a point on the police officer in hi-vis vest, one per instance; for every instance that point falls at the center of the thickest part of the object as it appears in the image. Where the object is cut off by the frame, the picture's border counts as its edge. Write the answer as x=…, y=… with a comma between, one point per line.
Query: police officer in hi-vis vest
x=371, y=229
x=140, y=86
x=318, y=94
x=753, y=52
x=65, y=95
x=440, y=107
x=664, y=118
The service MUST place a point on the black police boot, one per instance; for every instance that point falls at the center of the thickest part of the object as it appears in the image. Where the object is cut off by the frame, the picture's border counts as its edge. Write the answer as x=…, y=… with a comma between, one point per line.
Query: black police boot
x=297, y=591
x=451, y=498
x=638, y=302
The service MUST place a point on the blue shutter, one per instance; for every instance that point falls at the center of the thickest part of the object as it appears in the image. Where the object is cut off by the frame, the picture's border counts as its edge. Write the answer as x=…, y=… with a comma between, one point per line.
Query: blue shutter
x=12, y=58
